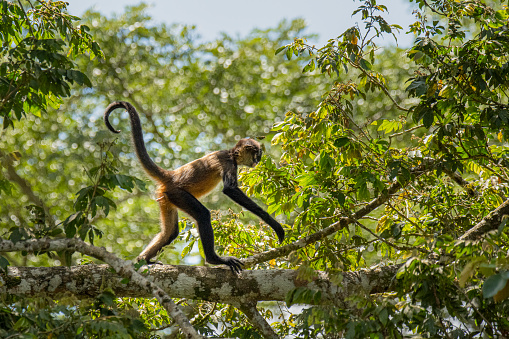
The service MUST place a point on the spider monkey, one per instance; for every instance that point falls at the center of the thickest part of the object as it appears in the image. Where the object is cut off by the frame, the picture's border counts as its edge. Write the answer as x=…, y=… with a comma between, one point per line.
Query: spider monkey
x=181, y=188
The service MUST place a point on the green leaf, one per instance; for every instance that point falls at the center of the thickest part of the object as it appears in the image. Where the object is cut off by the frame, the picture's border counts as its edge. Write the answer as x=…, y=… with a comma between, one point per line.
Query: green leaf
x=107, y=297
x=187, y=249
x=82, y=200
x=4, y=263
x=340, y=142
x=383, y=316
x=493, y=285
x=501, y=227
x=306, y=179
x=289, y=53
x=502, y=15
x=366, y=65
x=427, y=118
x=289, y=297
x=280, y=49
x=21, y=324
x=103, y=202
x=83, y=231
x=16, y=235
x=310, y=67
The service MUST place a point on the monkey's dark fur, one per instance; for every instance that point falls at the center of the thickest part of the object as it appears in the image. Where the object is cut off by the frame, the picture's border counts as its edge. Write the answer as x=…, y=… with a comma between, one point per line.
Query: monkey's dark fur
x=181, y=188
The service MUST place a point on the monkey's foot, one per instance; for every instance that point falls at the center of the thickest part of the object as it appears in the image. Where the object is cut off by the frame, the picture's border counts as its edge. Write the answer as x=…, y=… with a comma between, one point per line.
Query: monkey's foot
x=148, y=262
x=232, y=262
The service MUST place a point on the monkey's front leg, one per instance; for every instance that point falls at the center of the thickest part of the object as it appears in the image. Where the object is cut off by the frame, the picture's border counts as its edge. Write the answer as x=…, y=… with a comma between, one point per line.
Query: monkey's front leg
x=189, y=204
x=243, y=200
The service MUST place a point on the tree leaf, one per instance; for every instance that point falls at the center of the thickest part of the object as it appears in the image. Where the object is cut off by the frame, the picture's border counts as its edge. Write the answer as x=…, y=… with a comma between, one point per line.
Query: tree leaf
x=493, y=284
x=427, y=118
x=366, y=65
x=4, y=263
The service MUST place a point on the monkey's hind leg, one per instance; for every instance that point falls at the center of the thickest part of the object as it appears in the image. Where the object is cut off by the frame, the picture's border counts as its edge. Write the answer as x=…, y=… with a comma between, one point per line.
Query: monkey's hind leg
x=169, y=231
x=186, y=202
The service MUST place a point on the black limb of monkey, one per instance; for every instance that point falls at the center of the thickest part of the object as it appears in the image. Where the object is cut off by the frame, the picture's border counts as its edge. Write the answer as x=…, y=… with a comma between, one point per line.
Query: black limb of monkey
x=189, y=204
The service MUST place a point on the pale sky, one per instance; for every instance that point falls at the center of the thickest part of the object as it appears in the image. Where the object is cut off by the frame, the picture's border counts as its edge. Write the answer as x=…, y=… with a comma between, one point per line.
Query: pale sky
x=328, y=18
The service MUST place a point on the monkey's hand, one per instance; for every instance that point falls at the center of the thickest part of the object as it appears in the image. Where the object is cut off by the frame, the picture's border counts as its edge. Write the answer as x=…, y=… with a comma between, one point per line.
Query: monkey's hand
x=232, y=262
x=280, y=232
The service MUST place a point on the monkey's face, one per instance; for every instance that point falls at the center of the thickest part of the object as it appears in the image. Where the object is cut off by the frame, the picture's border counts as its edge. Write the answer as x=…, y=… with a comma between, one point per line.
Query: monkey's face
x=248, y=152
x=257, y=156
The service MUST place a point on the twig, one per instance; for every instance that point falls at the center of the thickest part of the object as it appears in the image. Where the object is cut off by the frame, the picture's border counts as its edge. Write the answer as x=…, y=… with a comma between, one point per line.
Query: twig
x=26, y=18
x=462, y=182
x=405, y=217
x=406, y=131
x=388, y=243
x=26, y=188
x=473, y=306
x=250, y=310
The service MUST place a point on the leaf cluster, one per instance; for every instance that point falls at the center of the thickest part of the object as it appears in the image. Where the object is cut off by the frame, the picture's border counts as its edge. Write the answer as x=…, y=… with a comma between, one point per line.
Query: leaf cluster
x=37, y=68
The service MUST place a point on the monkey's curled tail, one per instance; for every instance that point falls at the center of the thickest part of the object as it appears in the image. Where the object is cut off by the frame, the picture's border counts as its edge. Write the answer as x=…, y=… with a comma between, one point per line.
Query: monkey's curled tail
x=150, y=167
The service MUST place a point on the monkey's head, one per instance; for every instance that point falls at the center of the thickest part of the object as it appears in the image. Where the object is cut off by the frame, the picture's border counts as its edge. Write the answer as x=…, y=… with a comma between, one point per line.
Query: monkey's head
x=247, y=152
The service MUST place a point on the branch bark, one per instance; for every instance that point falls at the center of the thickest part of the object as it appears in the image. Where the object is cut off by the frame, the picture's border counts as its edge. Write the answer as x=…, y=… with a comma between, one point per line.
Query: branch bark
x=212, y=284
x=193, y=282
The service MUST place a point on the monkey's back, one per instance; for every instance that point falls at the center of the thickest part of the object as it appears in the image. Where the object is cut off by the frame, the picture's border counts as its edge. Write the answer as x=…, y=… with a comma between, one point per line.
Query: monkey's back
x=198, y=177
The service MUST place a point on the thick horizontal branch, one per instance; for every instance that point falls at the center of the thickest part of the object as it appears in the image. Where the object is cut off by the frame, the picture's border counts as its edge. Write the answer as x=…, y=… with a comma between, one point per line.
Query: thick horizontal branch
x=192, y=282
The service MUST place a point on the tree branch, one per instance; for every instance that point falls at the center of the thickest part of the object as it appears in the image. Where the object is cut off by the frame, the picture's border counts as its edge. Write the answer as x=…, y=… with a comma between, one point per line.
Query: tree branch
x=122, y=267
x=25, y=187
x=257, y=320
x=214, y=284
x=489, y=223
